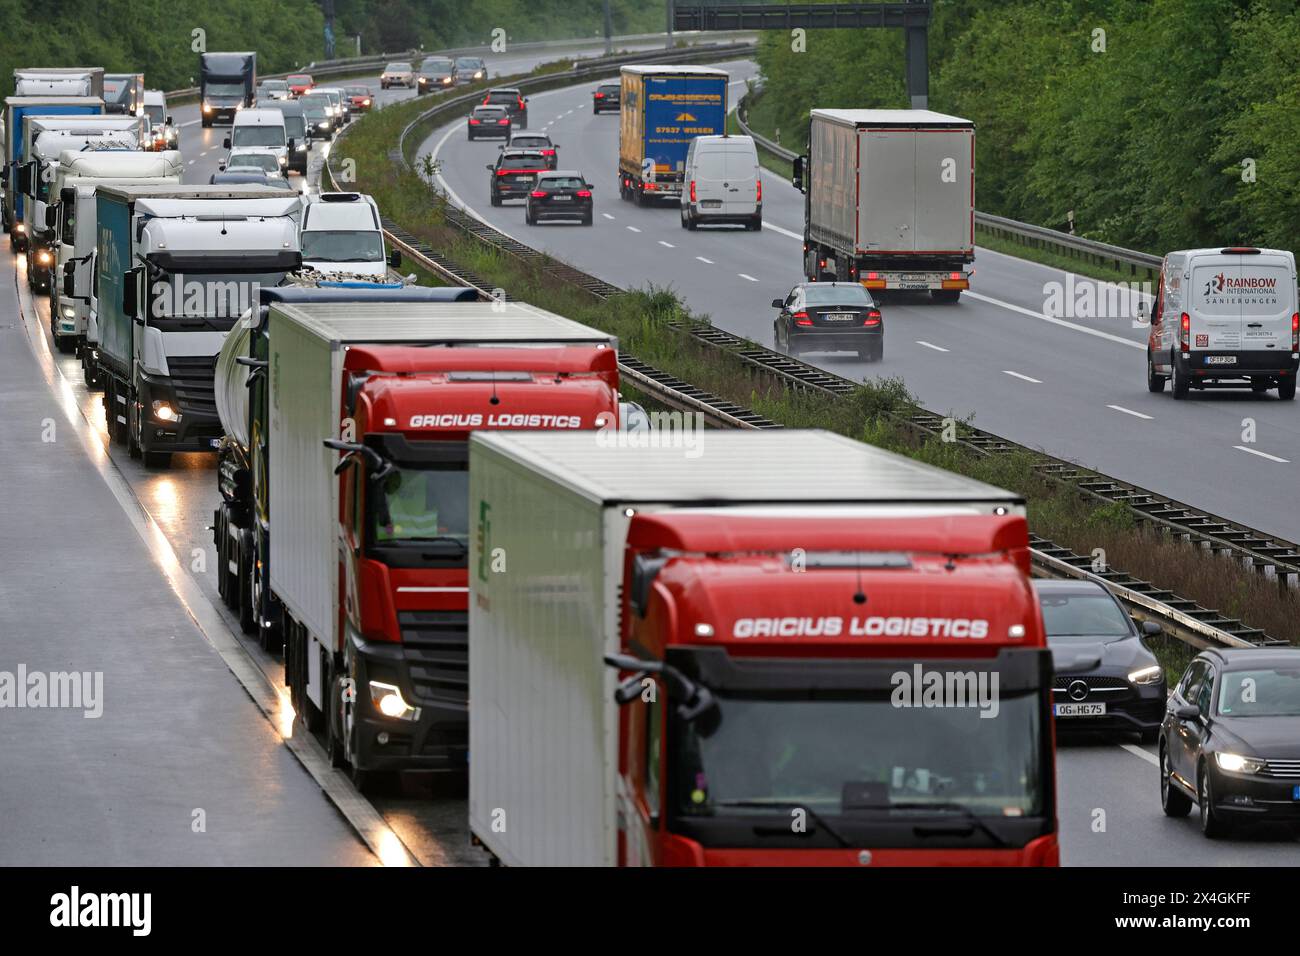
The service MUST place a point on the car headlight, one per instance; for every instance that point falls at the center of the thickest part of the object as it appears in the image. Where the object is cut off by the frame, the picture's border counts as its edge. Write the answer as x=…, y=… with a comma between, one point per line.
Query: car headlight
x=301, y=147
x=43, y=257
x=1146, y=675
x=1236, y=763
x=207, y=107
x=388, y=700
x=284, y=160
x=20, y=227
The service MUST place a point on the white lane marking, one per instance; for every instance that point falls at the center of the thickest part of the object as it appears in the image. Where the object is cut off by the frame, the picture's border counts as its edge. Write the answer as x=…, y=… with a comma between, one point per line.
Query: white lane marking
x=633, y=229
x=782, y=230
x=1262, y=454
x=607, y=215
x=191, y=162
x=190, y=123
x=1129, y=411
x=1007, y=371
x=667, y=245
x=1055, y=321
x=743, y=276
x=930, y=345
x=704, y=260
x=270, y=699
x=1137, y=751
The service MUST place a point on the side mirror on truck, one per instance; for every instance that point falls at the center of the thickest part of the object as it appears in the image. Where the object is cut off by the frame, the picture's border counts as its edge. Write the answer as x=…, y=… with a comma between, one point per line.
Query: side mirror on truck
x=130, y=299
x=52, y=216
x=25, y=179
x=796, y=176
x=69, y=279
x=395, y=258
x=226, y=143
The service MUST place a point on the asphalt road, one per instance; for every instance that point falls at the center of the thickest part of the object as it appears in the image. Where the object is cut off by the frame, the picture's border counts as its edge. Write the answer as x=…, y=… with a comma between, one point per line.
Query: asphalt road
x=1074, y=387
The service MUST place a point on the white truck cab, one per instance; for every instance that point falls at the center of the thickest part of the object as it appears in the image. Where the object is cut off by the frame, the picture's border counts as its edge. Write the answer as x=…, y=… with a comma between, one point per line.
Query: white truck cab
x=341, y=233
x=1225, y=318
x=260, y=130
x=721, y=183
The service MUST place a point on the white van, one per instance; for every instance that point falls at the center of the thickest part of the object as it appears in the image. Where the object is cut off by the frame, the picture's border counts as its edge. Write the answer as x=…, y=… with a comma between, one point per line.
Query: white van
x=341, y=234
x=1225, y=318
x=722, y=183
x=260, y=130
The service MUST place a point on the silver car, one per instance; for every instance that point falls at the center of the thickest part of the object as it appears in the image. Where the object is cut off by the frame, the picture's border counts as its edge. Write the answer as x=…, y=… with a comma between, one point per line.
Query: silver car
x=397, y=74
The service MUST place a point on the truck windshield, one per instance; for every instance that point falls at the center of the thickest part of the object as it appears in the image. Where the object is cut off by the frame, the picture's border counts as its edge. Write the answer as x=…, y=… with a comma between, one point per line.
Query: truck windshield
x=257, y=136
x=417, y=505
x=223, y=89
x=296, y=129
x=328, y=245
x=157, y=114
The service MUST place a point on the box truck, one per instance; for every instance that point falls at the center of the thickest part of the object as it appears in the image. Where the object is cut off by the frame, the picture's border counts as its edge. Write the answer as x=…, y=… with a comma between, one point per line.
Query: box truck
x=76, y=177
x=370, y=408
x=792, y=649
x=175, y=267
x=889, y=200
x=227, y=84
x=663, y=109
x=17, y=110
x=59, y=81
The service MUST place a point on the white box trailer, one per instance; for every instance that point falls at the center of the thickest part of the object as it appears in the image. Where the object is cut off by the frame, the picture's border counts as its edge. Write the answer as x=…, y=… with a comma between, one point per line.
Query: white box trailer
x=890, y=198
x=307, y=349
x=543, y=722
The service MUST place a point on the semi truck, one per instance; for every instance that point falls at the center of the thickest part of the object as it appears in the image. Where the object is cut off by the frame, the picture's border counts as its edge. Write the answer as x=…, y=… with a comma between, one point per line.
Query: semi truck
x=17, y=110
x=227, y=84
x=370, y=408
x=792, y=649
x=46, y=139
x=59, y=81
x=175, y=267
x=663, y=109
x=889, y=200
x=78, y=174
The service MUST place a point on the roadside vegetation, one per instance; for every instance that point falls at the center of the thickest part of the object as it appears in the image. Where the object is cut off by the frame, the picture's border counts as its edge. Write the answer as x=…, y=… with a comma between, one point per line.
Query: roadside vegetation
x=650, y=324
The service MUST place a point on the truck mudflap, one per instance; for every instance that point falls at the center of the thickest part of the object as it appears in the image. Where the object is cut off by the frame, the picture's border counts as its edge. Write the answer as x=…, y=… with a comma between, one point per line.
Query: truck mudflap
x=426, y=669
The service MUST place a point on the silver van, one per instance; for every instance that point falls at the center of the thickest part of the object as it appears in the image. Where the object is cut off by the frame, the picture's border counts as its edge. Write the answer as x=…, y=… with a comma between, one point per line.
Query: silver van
x=722, y=184
x=1225, y=318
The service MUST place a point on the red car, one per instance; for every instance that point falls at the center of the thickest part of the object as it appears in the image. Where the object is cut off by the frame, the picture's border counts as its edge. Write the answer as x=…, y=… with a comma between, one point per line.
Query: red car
x=300, y=83
x=359, y=97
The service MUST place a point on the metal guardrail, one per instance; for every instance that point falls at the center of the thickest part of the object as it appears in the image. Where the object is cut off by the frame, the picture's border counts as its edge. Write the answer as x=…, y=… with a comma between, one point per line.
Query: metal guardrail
x=1040, y=237
x=1180, y=618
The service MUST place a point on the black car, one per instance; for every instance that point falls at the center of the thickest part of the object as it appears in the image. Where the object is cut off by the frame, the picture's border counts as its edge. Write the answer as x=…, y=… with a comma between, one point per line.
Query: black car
x=515, y=103
x=513, y=174
x=316, y=110
x=562, y=194
x=299, y=137
x=1107, y=679
x=1230, y=742
x=830, y=317
x=537, y=141
x=488, y=121
x=606, y=98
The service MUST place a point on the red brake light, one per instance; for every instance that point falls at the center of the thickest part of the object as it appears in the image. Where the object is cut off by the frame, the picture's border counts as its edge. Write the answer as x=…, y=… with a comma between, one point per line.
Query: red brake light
x=1185, y=328
x=584, y=193
x=473, y=122
x=507, y=172
x=873, y=317
x=758, y=196
x=503, y=122
x=600, y=96
x=801, y=318
x=521, y=102
x=538, y=193
x=548, y=152
x=692, y=190
x=1295, y=331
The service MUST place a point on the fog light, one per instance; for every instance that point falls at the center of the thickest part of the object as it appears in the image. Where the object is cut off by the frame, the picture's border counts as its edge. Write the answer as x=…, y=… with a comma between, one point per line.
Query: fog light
x=382, y=739
x=164, y=412
x=387, y=699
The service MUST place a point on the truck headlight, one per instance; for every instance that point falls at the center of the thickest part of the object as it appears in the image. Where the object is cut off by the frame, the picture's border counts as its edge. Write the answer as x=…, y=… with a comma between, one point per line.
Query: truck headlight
x=207, y=107
x=69, y=313
x=284, y=160
x=44, y=258
x=388, y=700
x=20, y=227
x=301, y=147
x=1146, y=675
x=1236, y=763
x=164, y=412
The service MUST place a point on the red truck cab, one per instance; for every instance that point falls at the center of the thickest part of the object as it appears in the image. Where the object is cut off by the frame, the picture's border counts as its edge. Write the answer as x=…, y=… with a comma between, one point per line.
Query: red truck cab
x=833, y=691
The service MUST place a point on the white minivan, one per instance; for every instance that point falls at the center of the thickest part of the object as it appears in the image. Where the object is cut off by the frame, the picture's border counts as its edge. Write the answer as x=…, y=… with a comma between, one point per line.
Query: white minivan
x=260, y=130
x=722, y=183
x=1225, y=318
x=341, y=235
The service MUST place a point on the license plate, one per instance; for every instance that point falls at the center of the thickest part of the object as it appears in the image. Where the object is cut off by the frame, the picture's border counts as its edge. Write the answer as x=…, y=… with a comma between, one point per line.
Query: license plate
x=1080, y=710
x=1295, y=792
x=840, y=317
x=1221, y=360
x=561, y=198
x=711, y=203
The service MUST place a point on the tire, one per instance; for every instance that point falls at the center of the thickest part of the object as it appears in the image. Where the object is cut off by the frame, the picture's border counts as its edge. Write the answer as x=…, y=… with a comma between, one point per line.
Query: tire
x=1286, y=389
x=1173, y=801
x=247, y=618
x=528, y=217
x=334, y=747
x=207, y=123
x=470, y=137
x=946, y=296
x=223, y=568
x=496, y=199
x=1181, y=385
x=1212, y=825
x=1155, y=383
x=1259, y=386
x=132, y=433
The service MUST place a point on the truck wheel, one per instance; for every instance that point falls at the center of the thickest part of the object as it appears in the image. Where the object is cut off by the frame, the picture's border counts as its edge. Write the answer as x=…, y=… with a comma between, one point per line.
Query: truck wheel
x=1155, y=383
x=947, y=296
x=247, y=622
x=334, y=746
x=1180, y=383
x=222, y=541
x=1286, y=388
x=66, y=344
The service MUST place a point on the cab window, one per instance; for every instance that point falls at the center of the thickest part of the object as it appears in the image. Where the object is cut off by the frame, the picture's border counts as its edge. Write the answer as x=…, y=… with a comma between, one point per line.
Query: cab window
x=653, y=750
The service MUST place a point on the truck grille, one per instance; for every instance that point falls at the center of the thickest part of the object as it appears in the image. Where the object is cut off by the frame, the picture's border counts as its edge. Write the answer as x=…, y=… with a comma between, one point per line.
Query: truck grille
x=192, y=378
x=437, y=652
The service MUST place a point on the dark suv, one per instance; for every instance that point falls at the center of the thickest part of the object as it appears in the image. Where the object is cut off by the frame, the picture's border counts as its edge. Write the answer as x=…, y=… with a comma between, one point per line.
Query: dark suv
x=606, y=98
x=488, y=121
x=561, y=194
x=538, y=141
x=513, y=174
x=516, y=103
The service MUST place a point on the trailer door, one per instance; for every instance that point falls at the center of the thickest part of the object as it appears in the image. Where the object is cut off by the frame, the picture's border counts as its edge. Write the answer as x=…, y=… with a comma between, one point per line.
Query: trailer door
x=887, y=190
x=944, y=181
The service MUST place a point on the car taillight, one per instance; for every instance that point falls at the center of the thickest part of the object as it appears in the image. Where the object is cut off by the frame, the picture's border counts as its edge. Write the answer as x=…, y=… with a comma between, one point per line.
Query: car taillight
x=538, y=194
x=873, y=317
x=600, y=96
x=473, y=122
x=1295, y=331
x=521, y=102
x=758, y=194
x=503, y=122
x=548, y=152
x=1185, y=331
x=692, y=190
x=507, y=172
x=801, y=318
x=584, y=193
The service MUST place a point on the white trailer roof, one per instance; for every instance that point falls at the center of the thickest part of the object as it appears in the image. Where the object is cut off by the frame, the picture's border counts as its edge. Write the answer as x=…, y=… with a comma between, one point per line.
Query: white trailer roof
x=501, y=323
x=891, y=118
x=59, y=101
x=786, y=466
x=676, y=70
x=251, y=191
x=113, y=164
x=273, y=202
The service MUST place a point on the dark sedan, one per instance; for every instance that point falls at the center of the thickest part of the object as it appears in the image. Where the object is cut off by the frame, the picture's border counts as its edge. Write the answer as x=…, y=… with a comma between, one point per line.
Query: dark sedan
x=513, y=174
x=1230, y=742
x=606, y=98
x=1107, y=679
x=488, y=121
x=559, y=195
x=829, y=317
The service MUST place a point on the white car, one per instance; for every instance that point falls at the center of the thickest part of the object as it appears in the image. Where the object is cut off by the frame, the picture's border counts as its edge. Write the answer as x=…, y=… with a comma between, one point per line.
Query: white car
x=397, y=74
x=1225, y=318
x=337, y=99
